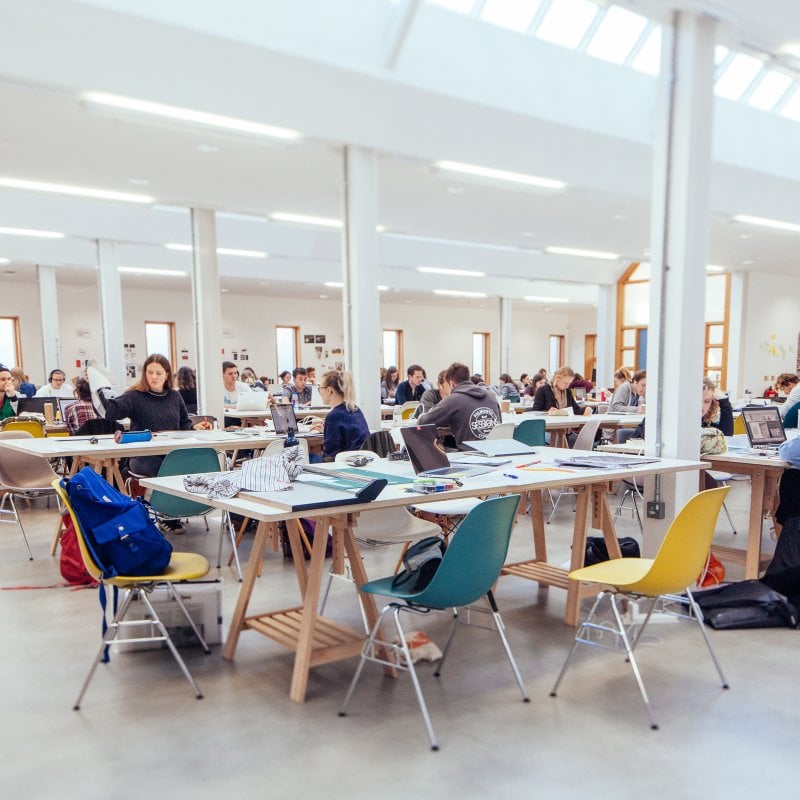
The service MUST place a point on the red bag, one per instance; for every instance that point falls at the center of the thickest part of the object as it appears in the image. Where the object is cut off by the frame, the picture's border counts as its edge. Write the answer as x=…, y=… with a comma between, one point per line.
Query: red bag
x=72, y=569
x=713, y=574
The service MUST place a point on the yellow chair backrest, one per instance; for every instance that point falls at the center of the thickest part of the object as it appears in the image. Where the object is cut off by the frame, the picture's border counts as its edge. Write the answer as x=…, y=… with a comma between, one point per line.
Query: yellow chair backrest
x=32, y=426
x=684, y=551
x=88, y=561
x=738, y=425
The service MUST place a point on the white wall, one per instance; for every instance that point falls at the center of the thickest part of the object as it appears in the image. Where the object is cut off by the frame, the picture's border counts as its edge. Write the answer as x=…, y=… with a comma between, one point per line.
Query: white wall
x=22, y=300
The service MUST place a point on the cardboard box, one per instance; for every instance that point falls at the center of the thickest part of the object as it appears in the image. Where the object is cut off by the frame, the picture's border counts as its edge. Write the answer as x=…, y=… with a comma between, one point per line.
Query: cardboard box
x=203, y=601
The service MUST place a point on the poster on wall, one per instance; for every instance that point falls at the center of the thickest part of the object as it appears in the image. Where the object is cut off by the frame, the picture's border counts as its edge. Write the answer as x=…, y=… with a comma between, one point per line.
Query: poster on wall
x=184, y=354
x=130, y=352
x=130, y=371
x=308, y=338
x=83, y=333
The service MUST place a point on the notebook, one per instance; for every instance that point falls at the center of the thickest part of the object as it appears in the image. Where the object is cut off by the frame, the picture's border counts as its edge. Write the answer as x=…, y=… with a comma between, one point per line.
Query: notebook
x=764, y=427
x=427, y=457
x=499, y=447
x=252, y=401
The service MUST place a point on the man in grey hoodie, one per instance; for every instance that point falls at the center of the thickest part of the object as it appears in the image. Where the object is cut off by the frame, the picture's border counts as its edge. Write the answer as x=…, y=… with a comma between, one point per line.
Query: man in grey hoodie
x=470, y=411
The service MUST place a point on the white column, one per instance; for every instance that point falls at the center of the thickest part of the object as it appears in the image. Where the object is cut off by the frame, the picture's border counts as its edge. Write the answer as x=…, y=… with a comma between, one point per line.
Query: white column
x=48, y=305
x=737, y=334
x=606, y=335
x=361, y=313
x=111, y=316
x=505, y=336
x=679, y=248
x=207, y=313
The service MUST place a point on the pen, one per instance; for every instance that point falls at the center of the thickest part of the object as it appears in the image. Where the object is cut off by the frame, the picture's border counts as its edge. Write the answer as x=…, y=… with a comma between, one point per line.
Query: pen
x=522, y=466
x=509, y=475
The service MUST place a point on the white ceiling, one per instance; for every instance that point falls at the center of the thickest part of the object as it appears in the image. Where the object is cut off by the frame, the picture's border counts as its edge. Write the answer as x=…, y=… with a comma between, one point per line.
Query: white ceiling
x=524, y=114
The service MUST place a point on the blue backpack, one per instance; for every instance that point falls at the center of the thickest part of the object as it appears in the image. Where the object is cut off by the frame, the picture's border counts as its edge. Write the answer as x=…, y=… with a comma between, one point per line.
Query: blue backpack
x=120, y=532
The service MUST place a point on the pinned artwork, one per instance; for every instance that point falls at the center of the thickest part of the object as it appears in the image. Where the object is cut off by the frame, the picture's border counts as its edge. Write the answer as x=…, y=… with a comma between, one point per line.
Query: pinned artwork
x=308, y=338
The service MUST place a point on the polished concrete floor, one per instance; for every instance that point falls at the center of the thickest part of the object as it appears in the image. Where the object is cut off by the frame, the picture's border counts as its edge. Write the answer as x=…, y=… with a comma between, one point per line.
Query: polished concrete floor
x=141, y=732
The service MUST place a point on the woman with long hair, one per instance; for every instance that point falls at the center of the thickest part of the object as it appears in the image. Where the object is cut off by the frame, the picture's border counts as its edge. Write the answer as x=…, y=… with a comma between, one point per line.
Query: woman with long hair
x=389, y=384
x=345, y=427
x=554, y=396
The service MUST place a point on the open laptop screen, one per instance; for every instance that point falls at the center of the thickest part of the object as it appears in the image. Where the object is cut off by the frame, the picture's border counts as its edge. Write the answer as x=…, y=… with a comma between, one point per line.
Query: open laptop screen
x=764, y=426
x=34, y=405
x=423, y=450
x=63, y=404
x=283, y=418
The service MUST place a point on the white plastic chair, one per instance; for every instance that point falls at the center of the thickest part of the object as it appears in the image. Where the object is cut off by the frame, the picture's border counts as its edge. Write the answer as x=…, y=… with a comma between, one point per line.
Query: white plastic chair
x=583, y=441
x=504, y=430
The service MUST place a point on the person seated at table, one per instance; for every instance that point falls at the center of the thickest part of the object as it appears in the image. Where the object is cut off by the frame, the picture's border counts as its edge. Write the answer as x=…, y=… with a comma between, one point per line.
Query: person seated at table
x=345, y=427
x=717, y=409
x=410, y=389
x=629, y=395
x=286, y=379
x=579, y=382
x=186, y=384
x=82, y=410
x=470, y=411
x=152, y=405
x=299, y=387
x=389, y=385
x=251, y=379
x=232, y=385
x=56, y=386
x=789, y=384
x=554, y=396
x=506, y=388
x=9, y=393
x=534, y=383
x=432, y=397
x=24, y=386
x=311, y=374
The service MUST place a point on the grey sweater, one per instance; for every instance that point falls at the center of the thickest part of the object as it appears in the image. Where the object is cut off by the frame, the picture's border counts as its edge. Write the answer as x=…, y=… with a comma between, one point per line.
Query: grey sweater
x=470, y=411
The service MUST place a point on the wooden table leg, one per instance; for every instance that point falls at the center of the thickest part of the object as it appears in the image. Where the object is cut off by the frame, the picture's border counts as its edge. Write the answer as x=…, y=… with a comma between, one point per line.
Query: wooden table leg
x=754, y=528
x=305, y=642
x=293, y=529
x=604, y=520
x=578, y=552
x=250, y=574
x=537, y=524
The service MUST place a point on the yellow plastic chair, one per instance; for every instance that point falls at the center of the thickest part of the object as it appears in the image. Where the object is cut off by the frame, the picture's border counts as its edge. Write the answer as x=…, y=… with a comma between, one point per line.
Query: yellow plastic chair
x=675, y=568
x=181, y=567
x=31, y=426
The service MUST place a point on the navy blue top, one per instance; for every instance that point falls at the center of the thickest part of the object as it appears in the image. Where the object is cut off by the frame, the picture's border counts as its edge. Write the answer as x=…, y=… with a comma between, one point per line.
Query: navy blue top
x=344, y=430
x=405, y=394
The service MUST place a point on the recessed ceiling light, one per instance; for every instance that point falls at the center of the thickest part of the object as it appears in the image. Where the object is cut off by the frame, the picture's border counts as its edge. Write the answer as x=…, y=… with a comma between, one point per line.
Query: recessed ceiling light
x=150, y=271
x=499, y=175
x=574, y=251
x=333, y=284
x=189, y=115
x=620, y=217
x=5, y=260
x=305, y=219
x=469, y=273
x=768, y=223
x=32, y=233
x=457, y=293
x=533, y=298
x=383, y=288
x=207, y=148
x=528, y=234
x=75, y=191
x=748, y=261
x=224, y=291
x=455, y=190
x=380, y=229
x=323, y=297
x=745, y=235
x=715, y=268
x=222, y=251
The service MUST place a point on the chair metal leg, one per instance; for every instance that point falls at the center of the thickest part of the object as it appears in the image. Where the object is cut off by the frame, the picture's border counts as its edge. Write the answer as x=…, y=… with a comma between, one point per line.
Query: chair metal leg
x=501, y=630
x=730, y=520
x=10, y=496
x=699, y=618
x=227, y=525
x=447, y=644
x=369, y=647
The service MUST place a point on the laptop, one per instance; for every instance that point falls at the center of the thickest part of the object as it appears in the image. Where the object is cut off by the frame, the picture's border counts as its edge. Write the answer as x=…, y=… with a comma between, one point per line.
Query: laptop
x=34, y=405
x=499, y=447
x=764, y=427
x=427, y=457
x=252, y=401
x=579, y=392
x=63, y=404
x=283, y=418
x=316, y=397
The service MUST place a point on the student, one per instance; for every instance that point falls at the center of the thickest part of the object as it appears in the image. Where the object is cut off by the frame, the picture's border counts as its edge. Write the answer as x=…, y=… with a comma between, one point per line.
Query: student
x=81, y=411
x=411, y=389
x=311, y=374
x=630, y=394
x=286, y=378
x=24, y=386
x=151, y=405
x=9, y=394
x=345, y=427
x=534, y=383
x=789, y=384
x=506, y=387
x=299, y=387
x=554, y=396
x=389, y=384
x=470, y=411
x=717, y=409
x=622, y=375
x=186, y=384
x=251, y=379
x=56, y=386
x=231, y=384
x=432, y=397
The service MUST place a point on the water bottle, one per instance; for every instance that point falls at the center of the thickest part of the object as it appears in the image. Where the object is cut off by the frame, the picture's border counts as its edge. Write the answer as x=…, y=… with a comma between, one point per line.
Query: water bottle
x=295, y=400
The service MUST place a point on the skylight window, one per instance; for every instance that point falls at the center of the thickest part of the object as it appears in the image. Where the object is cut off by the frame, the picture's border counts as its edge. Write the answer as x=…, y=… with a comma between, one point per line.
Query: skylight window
x=567, y=21
x=648, y=59
x=791, y=108
x=459, y=6
x=771, y=88
x=616, y=35
x=738, y=76
x=516, y=15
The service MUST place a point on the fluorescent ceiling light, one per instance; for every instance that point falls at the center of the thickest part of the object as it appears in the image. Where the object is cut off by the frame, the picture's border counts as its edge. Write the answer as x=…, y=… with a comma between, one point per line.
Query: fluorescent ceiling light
x=76, y=191
x=222, y=251
x=148, y=271
x=334, y=284
x=305, y=219
x=768, y=223
x=189, y=115
x=470, y=273
x=32, y=233
x=715, y=268
x=383, y=288
x=455, y=293
x=574, y=251
x=5, y=260
x=533, y=298
x=499, y=175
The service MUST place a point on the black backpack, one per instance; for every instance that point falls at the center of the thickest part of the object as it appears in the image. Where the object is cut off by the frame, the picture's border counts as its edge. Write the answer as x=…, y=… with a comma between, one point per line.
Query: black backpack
x=746, y=604
x=420, y=563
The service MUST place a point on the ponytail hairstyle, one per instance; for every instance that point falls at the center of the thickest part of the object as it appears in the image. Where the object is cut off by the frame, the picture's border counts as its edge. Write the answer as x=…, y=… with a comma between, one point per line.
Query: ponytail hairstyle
x=341, y=382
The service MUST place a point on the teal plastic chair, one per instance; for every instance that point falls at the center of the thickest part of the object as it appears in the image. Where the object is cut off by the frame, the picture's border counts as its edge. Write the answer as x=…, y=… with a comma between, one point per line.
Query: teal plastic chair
x=191, y=461
x=531, y=432
x=467, y=572
x=790, y=419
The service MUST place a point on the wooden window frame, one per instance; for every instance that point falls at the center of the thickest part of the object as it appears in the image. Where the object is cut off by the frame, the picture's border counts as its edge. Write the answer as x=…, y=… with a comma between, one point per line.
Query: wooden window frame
x=400, y=352
x=173, y=347
x=17, y=342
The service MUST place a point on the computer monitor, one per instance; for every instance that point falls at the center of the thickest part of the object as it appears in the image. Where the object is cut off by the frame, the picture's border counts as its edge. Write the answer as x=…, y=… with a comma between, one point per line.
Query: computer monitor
x=34, y=405
x=764, y=426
